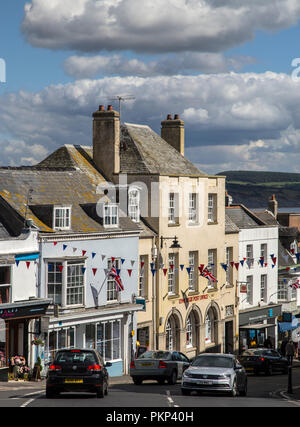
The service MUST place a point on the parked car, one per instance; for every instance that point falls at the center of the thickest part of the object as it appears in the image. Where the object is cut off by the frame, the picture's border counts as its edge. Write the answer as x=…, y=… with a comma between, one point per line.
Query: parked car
x=159, y=366
x=215, y=373
x=256, y=360
x=77, y=370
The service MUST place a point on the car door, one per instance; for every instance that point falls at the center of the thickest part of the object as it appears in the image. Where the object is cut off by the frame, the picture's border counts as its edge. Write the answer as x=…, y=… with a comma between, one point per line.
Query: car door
x=240, y=373
x=179, y=364
x=185, y=360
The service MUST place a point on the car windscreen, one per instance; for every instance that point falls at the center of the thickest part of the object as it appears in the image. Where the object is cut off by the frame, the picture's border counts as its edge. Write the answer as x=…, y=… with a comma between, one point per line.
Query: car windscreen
x=155, y=355
x=213, y=362
x=76, y=356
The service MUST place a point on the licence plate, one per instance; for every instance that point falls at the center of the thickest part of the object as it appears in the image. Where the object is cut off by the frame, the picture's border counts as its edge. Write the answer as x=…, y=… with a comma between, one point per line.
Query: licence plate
x=146, y=364
x=72, y=381
x=205, y=382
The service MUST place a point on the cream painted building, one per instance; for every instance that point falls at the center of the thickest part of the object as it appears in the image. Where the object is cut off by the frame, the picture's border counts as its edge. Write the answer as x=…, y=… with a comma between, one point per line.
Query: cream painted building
x=181, y=212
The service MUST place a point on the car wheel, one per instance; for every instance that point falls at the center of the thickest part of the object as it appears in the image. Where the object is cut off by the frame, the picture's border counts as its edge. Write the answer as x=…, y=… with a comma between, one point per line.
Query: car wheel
x=185, y=392
x=50, y=394
x=269, y=369
x=137, y=381
x=244, y=391
x=173, y=378
x=100, y=392
x=234, y=390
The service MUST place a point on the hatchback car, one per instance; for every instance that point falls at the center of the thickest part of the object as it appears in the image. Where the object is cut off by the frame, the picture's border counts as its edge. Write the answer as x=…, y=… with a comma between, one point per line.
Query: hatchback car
x=77, y=370
x=215, y=373
x=159, y=366
x=267, y=361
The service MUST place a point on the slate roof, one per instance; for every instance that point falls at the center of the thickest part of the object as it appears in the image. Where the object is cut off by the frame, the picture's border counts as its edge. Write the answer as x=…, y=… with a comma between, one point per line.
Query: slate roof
x=242, y=217
x=230, y=226
x=144, y=152
x=64, y=178
x=267, y=217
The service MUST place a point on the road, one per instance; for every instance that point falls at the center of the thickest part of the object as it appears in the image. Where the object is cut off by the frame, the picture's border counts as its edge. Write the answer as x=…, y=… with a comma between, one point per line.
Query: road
x=262, y=392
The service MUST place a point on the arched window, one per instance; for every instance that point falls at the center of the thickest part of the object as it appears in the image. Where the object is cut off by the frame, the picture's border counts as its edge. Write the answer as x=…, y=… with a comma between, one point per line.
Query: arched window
x=211, y=331
x=172, y=333
x=208, y=329
x=134, y=204
x=189, y=331
x=169, y=336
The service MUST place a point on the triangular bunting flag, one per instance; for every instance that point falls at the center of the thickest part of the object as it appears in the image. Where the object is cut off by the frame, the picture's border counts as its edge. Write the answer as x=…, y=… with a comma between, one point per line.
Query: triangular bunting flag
x=142, y=264
x=103, y=257
x=129, y=271
x=152, y=265
x=242, y=262
x=201, y=268
x=188, y=269
x=93, y=255
x=224, y=266
x=172, y=267
x=17, y=262
x=74, y=250
x=118, y=271
x=83, y=270
x=165, y=270
x=232, y=263
x=65, y=247
x=274, y=259
x=132, y=262
x=113, y=259
x=28, y=264
x=83, y=253
x=94, y=271
x=122, y=260
x=153, y=272
x=54, y=243
x=237, y=264
x=61, y=267
x=182, y=267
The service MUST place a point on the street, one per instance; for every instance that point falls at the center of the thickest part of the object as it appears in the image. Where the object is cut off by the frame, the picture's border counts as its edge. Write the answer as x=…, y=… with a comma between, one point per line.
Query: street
x=263, y=391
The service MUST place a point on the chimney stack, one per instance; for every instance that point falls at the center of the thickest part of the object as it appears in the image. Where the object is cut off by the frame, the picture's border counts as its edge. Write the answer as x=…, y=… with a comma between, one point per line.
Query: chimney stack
x=273, y=206
x=106, y=141
x=172, y=131
x=228, y=199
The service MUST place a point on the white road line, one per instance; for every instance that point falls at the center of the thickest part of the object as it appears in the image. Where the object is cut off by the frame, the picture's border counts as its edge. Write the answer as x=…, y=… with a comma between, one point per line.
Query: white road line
x=37, y=393
x=170, y=400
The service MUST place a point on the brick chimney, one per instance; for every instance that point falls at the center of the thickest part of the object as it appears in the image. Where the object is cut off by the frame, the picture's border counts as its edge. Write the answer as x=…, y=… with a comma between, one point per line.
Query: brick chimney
x=106, y=141
x=172, y=131
x=273, y=206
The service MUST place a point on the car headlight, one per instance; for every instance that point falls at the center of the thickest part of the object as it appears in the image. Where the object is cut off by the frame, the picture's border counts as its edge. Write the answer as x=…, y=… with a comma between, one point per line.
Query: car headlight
x=187, y=374
x=227, y=376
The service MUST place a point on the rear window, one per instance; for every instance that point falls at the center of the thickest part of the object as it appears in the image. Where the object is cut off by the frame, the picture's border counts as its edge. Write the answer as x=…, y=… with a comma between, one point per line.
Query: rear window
x=76, y=356
x=155, y=355
x=213, y=362
x=253, y=353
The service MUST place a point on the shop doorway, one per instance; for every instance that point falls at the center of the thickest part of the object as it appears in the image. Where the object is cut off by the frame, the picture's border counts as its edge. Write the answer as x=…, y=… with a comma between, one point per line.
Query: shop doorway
x=229, y=345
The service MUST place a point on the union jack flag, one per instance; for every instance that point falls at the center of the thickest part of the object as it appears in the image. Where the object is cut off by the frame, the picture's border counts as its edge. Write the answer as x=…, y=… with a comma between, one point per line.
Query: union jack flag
x=207, y=274
x=295, y=285
x=113, y=273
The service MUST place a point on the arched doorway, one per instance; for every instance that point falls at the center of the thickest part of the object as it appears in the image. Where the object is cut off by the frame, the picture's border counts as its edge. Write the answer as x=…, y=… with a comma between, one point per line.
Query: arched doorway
x=193, y=330
x=173, y=333
x=211, y=330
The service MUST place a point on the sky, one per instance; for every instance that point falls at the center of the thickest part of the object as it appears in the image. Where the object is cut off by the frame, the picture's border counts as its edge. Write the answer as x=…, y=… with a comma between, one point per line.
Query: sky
x=229, y=69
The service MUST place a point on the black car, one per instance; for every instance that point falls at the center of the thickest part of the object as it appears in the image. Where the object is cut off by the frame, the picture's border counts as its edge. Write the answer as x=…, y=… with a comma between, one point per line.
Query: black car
x=77, y=370
x=267, y=361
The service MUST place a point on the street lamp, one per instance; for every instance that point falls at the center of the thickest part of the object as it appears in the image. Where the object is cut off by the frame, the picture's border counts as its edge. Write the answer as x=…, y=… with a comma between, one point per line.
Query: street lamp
x=175, y=244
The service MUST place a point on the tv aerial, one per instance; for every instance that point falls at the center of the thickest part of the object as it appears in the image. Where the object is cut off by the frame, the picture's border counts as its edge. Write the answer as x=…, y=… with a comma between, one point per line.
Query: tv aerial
x=120, y=99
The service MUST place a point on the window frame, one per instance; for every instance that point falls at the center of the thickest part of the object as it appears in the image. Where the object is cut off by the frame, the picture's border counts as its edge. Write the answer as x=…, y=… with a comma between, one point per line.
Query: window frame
x=110, y=220
x=134, y=208
x=66, y=220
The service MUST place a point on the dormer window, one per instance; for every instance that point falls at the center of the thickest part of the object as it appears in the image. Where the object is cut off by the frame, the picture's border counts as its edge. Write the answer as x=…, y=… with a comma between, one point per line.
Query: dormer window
x=62, y=218
x=111, y=215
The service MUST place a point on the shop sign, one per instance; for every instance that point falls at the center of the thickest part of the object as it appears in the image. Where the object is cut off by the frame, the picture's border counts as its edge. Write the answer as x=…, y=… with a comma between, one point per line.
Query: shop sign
x=19, y=312
x=195, y=298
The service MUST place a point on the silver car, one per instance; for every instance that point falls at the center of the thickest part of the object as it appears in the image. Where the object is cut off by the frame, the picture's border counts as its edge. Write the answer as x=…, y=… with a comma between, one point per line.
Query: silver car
x=215, y=373
x=159, y=366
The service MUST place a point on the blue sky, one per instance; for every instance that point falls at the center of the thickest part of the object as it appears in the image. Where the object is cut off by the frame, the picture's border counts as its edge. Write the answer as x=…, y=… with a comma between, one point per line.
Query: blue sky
x=70, y=57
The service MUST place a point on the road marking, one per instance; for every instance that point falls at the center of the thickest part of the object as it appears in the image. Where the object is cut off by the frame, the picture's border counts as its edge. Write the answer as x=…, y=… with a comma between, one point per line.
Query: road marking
x=38, y=393
x=170, y=400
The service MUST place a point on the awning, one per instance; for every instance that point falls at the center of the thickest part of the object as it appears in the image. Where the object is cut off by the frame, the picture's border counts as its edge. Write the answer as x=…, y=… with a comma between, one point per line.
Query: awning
x=288, y=326
x=257, y=326
x=21, y=309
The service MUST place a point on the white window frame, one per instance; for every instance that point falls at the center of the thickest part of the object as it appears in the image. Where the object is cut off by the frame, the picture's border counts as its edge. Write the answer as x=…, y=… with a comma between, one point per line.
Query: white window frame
x=64, y=219
x=134, y=204
x=264, y=251
x=249, y=256
x=249, y=280
x=212, y=208
x=7, y=285
x=212, y=266
x=64, y=284
x=282, y=294
x=143, y=276
x=112, y=295
x=263, y=287
x=111, y=215
x=189, y=332
x=171, y=210
x=192, y=276
x=193, y=211
x=172, y=274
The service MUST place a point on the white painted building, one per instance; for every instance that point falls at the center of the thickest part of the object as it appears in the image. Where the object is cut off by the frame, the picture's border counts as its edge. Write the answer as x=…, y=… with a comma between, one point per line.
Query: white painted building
x=257, y=285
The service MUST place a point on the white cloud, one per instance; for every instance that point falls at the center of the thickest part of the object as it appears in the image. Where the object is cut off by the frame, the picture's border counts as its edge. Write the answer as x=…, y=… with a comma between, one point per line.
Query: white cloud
x=182, y=63
x=233, y=121
x=153, y=25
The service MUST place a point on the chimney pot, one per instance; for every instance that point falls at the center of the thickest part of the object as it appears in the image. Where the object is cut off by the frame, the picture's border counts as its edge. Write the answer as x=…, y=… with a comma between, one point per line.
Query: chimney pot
x=101, y=107
x=109, y=108
x=176, y=117
x=169, y=117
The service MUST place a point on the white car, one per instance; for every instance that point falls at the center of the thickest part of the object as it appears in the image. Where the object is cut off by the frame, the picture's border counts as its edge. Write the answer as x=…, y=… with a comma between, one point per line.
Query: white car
x=215, y=373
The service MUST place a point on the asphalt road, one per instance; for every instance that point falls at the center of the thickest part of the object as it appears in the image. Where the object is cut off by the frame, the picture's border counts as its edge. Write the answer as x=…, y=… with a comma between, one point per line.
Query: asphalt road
x=262, y=392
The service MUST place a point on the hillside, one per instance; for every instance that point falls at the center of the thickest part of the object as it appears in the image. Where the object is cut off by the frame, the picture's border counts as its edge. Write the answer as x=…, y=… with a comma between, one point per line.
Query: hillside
x=254, y=188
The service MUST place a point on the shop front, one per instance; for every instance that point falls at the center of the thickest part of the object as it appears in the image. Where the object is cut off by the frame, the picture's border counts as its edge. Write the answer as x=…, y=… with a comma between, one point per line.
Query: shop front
x=19, y=329
x=256, y=325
